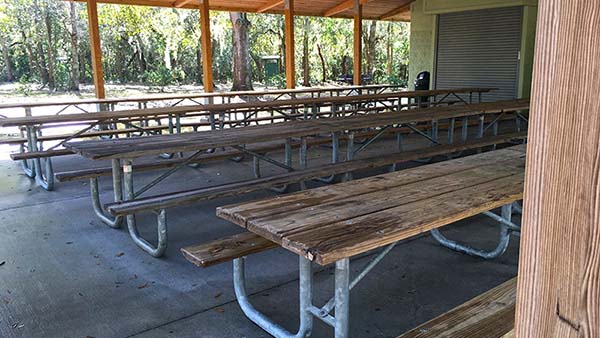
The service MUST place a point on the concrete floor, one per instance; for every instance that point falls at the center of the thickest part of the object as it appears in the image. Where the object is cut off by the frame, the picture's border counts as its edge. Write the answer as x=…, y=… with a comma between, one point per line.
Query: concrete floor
x=64, y=274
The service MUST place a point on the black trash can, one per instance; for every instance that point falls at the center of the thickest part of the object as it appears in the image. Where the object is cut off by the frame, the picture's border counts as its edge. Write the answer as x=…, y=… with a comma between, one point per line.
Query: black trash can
x=422, y=83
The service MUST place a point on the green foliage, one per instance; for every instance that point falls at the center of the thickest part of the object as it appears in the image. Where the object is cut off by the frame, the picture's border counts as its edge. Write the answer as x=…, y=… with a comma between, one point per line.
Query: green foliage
x=161, y=46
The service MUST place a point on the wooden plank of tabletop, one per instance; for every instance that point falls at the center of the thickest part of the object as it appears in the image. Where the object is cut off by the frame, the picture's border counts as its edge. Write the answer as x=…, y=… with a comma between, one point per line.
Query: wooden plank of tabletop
x=349, y=225
x=242, y=213
x=151, y=145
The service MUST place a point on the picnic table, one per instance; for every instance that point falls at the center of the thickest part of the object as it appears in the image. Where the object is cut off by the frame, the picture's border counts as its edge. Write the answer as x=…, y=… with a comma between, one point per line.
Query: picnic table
x=151, y=121
x=122, y=152
x=335, y=223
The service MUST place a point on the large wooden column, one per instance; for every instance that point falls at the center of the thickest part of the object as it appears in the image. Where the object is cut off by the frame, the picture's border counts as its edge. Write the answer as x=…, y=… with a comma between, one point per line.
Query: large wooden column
x=357, y=42
x=559, y=271
x=98, y=73
x=207, y=71
x=290, y=58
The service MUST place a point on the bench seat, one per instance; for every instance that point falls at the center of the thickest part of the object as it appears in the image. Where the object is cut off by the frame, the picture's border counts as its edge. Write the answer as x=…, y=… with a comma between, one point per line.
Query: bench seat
x=489, y=315
x=226, y=249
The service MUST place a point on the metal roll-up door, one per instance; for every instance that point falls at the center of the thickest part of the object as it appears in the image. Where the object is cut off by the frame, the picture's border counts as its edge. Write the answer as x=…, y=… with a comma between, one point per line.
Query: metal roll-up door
x=480, y=49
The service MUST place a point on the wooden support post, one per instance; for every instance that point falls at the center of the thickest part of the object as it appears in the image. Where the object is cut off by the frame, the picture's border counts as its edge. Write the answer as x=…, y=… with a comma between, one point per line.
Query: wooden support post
x=559, y=270
x=98, y=73
x=290, y=60
x=357, y=42
x=207, y=71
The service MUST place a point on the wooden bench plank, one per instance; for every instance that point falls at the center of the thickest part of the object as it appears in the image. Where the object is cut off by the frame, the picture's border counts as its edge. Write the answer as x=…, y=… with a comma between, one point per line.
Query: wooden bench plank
x=489, y=315
x=331, y=239
x=40, y=154
x=190, y=196
x=226, y=249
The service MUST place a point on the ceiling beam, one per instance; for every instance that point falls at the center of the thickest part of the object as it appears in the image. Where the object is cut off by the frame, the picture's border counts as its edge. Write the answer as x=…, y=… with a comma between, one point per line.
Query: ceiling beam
x=342, y=7
x=290, y=61
x=206, y=45
x=181, y=3
x=270, y=5
x=395, y=12
x=357, y=67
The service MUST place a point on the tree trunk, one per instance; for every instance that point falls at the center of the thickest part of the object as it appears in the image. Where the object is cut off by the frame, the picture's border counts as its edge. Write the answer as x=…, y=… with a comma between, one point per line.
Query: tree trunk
x=74, y=85
x=305, y=54
x=7, y=64
x=390, y=49
x=39, y=45
x=241, y=52
x=370, y=45
x=49, y=50
x=323, y=67
x=199, y=73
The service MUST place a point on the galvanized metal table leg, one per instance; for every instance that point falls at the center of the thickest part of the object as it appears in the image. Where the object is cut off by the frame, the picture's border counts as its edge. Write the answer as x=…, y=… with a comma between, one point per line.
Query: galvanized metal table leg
x=105, y=217
x=303, y=158
x=399, y=147
x=335, y=156
x=288, y=161
x=260, y=319
x=506, y=227
x=256, y=166
x=465, y=129
x=27, y=166
x=342, y=298
x=349, y=154
x=480, y=129
x=45, y=181
x=161, y=247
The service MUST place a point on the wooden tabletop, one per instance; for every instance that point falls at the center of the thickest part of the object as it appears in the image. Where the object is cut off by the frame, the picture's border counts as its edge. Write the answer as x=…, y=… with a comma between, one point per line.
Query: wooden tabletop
x=203, y=140
x=343, y=220
x=224, y=107
x=148, y=98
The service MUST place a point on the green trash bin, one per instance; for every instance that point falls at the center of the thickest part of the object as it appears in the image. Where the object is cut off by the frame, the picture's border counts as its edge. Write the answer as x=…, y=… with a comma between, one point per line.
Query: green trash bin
x=271, y=68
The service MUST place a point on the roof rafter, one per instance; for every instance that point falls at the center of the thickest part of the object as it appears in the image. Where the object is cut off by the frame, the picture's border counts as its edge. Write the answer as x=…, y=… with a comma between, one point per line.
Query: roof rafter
x=395, y=12
x=181, y=3
x=343, y=6
x=270, y=5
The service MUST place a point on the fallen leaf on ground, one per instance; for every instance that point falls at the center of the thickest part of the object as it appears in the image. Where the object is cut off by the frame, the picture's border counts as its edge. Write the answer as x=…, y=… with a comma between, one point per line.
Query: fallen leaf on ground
x=218, y=295
x=219, y=310
x=120, y=254
x=143, y=286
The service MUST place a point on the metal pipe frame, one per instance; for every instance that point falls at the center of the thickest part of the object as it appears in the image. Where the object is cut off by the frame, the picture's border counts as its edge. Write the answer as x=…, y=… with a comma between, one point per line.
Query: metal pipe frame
x=335, y=156
x=161, y=246
x=341, y=321
x=105, y=217
x=44, y=178
x=506, y=228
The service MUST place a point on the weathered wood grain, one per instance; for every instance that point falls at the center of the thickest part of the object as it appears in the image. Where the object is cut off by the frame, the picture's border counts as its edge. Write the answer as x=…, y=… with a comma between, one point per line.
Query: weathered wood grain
x=559, y=270
x=152, y=145
x=367, y=215
x=489, y=315
x=226, y=249
x=237, y=188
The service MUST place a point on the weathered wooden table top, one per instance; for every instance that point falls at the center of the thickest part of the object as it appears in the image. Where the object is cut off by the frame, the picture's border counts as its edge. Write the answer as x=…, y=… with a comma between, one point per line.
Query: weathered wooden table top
x=339, y=221
x=203, y=140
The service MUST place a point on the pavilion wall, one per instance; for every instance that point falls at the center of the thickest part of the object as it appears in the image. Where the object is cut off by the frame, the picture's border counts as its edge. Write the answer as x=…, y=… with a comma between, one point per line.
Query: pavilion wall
x=423, y=35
